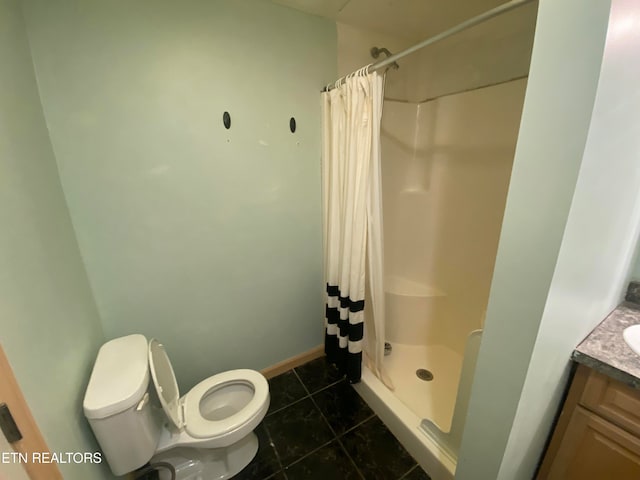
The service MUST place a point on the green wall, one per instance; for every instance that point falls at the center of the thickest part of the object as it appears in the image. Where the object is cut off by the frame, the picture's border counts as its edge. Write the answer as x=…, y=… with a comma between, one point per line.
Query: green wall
x=50, y=325
x=561, y=89
x=207, y=239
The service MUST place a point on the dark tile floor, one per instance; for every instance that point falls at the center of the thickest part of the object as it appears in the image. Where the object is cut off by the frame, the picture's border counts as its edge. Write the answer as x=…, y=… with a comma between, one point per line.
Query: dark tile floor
x=318, y=427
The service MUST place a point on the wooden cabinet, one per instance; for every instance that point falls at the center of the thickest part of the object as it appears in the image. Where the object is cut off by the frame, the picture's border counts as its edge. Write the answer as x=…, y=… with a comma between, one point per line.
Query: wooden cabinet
x=598, y=432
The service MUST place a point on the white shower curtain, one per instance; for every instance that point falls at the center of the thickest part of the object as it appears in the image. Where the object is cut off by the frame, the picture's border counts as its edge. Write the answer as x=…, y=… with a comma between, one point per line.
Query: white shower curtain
x=353, y=223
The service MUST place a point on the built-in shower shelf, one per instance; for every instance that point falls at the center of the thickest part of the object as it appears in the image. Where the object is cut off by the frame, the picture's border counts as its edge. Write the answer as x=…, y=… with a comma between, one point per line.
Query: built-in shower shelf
x=403, y=286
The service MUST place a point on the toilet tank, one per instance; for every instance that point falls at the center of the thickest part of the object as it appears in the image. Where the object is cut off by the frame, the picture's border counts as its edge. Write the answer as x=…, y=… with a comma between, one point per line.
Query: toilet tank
x=117, y=404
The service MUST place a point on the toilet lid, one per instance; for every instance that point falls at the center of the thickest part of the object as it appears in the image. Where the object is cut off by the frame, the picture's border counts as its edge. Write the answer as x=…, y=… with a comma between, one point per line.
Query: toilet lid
x=165, y=381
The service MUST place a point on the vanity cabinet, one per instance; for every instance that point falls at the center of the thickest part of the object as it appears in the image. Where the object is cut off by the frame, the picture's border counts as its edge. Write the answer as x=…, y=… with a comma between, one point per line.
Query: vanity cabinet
x=598, y=432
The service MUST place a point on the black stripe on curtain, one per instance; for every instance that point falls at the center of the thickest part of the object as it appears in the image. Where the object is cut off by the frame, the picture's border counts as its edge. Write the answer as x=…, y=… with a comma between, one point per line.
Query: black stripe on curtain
x=349, y=364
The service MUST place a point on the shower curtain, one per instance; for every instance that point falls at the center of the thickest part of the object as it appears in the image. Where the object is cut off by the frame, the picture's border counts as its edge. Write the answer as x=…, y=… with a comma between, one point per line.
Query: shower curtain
x=353, y=222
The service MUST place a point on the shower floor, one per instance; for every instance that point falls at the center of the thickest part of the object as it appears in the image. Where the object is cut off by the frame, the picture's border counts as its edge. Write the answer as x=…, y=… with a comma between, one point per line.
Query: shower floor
x=435, y=399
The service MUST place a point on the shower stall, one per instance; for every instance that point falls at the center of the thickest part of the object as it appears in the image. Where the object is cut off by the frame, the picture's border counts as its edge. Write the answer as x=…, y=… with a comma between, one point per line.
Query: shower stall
x=449, y=128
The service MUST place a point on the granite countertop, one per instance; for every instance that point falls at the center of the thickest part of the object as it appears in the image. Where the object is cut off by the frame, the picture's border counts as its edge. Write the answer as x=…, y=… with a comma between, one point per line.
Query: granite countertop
x=605, y=350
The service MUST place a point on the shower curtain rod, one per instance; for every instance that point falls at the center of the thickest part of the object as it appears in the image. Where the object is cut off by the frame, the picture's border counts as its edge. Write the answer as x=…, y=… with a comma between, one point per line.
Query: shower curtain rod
x=494, y=12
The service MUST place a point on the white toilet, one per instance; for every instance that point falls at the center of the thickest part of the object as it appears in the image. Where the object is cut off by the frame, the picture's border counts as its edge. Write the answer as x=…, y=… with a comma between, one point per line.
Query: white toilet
x=206, y=434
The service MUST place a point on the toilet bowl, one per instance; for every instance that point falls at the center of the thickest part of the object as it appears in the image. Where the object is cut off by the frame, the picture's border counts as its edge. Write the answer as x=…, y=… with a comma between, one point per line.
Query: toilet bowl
x=207, y=433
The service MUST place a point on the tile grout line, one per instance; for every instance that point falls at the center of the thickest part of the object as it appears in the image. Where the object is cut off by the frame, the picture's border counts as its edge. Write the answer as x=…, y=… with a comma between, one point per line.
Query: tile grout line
x=305, y=389
x=351, y=459
x=275, y=450
x=287, y=405
x=272, y=476
x=320, y=389
x=331, y=428
x=351, y=429
x=308, y=454
x=336, y=437
x=406, y=474
x=319, y=411
x=374, y=415
x=308, y=395
x=328, y=386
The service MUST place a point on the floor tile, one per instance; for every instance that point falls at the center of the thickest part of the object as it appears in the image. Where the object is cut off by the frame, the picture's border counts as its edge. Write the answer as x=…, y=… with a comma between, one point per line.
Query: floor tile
x=329, y=462
x=277, y=476
x=297, y=430
x=376, y=452
x=417, y=474
x=284, y=390
x=317, y=374
x=265, y=463
x=342, y=406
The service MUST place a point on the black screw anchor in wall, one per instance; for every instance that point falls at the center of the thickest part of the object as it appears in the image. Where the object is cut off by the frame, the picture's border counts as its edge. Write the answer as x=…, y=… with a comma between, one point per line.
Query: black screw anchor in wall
x=292, y=125
x=226, y=119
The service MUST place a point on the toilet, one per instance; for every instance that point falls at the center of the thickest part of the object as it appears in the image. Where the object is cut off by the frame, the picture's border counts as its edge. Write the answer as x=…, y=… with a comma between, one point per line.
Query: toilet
x=205, y=434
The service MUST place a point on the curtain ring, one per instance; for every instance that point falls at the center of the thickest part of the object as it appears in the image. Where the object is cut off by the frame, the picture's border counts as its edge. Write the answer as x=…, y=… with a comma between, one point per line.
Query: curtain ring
x=361, y=72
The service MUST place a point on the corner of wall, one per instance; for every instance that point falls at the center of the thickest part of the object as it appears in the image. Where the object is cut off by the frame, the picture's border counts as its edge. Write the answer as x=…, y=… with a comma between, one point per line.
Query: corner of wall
x=564, y=74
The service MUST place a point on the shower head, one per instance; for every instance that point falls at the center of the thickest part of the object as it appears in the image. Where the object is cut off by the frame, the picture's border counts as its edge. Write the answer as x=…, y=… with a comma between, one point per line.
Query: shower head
x=376, y=51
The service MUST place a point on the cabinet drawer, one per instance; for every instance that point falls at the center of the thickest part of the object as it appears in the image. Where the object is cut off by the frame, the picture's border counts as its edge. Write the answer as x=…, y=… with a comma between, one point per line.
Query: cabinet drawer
x=613, y=401
x=593, y=448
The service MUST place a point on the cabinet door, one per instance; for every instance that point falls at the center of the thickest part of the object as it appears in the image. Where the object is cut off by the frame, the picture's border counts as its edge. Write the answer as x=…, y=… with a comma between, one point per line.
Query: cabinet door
x=595, y=448
x=613, y=401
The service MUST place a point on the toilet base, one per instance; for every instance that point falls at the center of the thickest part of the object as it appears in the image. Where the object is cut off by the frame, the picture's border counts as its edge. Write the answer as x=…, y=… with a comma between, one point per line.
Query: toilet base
x=211, y=463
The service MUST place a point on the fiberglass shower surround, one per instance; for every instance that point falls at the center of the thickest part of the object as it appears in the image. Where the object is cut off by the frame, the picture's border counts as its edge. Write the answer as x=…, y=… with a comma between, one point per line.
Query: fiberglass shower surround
x=445, y=165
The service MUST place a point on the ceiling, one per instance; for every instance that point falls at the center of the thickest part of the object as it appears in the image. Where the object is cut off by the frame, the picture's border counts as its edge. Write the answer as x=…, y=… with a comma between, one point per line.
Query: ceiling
x=411, y=19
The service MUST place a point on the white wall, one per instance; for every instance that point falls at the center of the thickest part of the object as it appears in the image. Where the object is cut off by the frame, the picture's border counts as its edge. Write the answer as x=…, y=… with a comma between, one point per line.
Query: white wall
x=494, y=51
x=49, y=322
x=446, y=165
x=563, y=77
x=354, y=52
x=598, y=244
x=471, y=150
x=207, y=239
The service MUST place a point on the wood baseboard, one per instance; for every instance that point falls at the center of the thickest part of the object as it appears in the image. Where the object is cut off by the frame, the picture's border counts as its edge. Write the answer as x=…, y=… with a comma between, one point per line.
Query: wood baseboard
x=288, y=364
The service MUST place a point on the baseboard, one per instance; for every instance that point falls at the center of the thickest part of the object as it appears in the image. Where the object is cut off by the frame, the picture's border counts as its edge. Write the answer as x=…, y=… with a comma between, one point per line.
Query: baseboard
x=293, y=362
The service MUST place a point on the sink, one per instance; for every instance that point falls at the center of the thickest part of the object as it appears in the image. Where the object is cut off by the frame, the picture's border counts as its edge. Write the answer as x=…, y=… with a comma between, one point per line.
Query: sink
x=631, y=335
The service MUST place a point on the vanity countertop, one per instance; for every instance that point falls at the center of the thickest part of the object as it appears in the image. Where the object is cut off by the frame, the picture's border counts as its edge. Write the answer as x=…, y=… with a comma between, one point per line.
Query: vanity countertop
x=605, y=350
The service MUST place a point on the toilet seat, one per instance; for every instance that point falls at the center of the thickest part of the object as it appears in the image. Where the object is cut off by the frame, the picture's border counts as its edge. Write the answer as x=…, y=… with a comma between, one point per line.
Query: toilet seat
x=200, y=427
x=185, y=413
